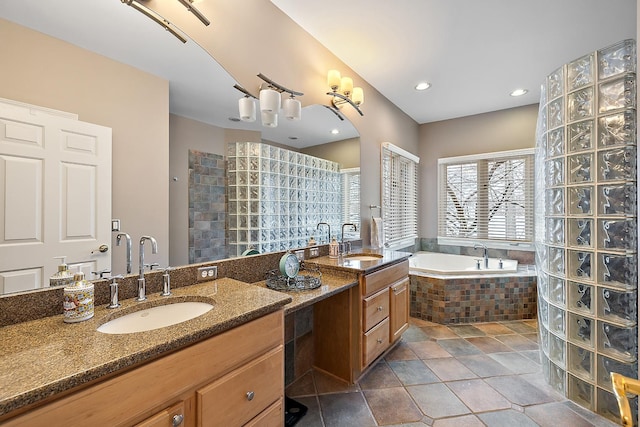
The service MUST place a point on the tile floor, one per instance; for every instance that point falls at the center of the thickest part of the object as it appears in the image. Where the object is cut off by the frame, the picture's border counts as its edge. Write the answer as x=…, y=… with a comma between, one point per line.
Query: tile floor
x=482, y=374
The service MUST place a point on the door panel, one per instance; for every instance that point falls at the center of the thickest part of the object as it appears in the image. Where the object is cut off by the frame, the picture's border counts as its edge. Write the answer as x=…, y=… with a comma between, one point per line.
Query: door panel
x=55, y=194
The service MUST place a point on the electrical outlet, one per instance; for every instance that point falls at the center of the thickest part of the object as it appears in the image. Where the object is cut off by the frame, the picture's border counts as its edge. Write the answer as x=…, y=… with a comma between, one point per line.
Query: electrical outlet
x=207, y=273
x=314, y=252
x=300, y=255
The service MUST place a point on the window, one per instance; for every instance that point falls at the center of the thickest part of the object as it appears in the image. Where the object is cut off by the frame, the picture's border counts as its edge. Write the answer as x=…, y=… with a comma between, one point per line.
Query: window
x=399, y=196
x=486, y=197
x=351, y=200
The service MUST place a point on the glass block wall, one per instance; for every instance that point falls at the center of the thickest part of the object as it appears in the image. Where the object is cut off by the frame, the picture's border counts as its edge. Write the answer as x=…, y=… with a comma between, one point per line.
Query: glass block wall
x=277, y=197
x=586, y=226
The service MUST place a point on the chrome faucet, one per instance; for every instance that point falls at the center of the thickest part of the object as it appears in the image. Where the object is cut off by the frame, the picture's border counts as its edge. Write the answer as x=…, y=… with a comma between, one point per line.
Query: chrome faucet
x=119, y=236
x=327, y=224
x=355, y=228
x=141, y=281
x=113, y=291
x=485, y=253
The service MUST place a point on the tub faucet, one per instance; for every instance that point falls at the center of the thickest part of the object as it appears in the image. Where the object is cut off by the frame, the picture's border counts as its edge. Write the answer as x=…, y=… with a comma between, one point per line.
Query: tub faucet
x=141, y=281
x=127, y=238
x=485, y=254
x=327, y=224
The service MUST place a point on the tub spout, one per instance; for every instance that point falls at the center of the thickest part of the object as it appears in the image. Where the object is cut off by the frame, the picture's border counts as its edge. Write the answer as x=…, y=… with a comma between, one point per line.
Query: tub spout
x=485, y=253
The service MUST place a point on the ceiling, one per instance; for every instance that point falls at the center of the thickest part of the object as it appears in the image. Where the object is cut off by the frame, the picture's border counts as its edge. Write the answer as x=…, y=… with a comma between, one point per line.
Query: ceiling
x=474, y=53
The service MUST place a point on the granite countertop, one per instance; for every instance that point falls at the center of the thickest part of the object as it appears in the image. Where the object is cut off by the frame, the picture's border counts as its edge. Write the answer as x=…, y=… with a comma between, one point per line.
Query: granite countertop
x=350, y=264
x=43, y=357
x=338, y=275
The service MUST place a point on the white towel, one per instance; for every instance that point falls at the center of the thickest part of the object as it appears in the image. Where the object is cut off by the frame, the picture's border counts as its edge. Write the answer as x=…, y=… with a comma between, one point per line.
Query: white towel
x=377, y=233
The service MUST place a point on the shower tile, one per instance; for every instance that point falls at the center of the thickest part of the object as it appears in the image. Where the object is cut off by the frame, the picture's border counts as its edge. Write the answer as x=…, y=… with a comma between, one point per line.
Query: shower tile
x=519, y=391
x=517, y=342
x=450, y=369
x=392, y=406
x=478, y=395
x=458, y=347
x=508, y=417
x=428, y=349
x=380, y=376
x=484, y=366
x=437, y=401
x=413, y=372
x=489, y=344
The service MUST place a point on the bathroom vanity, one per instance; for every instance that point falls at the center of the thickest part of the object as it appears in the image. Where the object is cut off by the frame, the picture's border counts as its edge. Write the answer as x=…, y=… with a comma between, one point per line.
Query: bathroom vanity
x=223, y=368
x=353, y=328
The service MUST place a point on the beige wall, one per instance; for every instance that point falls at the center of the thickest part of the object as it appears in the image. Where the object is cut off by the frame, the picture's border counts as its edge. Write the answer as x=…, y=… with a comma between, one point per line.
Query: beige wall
x=483, y=133
x=41, y=70
x=345, y=152
x=259, y=38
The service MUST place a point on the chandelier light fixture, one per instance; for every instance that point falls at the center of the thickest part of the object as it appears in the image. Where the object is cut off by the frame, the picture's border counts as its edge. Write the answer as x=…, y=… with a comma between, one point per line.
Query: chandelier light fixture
x=343, y=92
x=270, y=98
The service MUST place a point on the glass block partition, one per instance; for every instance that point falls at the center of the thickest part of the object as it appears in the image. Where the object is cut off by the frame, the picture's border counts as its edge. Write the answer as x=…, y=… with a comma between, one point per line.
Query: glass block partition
x=586, y=226
x=277, y=197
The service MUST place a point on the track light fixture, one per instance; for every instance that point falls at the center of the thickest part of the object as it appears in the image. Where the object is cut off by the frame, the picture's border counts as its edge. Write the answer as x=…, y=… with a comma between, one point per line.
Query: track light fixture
x=343, y=92
x=270, y=103
x=191, y=8
x=156, y=18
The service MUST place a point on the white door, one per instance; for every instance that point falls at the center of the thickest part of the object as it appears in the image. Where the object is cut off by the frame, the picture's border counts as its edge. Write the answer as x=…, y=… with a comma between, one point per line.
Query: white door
x=55, y=195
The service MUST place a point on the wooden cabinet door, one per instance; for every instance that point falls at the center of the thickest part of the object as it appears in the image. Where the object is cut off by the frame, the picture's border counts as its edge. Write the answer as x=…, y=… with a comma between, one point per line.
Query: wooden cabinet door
x=399, y=316
x=173, y=416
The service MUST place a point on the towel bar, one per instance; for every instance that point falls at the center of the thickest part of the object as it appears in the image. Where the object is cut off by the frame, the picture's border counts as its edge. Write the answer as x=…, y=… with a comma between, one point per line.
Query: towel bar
x=621, y=386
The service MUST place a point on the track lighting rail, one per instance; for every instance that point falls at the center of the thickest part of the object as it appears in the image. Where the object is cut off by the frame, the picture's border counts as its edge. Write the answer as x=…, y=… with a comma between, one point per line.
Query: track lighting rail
x=191, y=8
x=278, y=87
x=155, y=17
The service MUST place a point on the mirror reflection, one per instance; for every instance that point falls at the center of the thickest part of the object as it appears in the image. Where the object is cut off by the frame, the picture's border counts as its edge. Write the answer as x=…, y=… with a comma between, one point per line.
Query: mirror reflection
x=195, y=79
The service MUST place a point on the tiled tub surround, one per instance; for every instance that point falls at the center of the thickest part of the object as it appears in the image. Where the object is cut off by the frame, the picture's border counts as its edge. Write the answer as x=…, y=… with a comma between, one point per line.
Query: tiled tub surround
x=207, y=207
x=474, y=298
x=586, y=225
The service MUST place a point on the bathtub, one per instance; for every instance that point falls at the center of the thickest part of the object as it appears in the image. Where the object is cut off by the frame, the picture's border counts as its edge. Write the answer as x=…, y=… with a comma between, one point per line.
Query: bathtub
x=447, y=289
x=448, y=264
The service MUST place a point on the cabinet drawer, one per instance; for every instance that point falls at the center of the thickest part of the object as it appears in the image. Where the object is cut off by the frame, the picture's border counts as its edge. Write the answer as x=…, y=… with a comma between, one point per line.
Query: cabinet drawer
x=375, y=281
x=374, y=309
x=242, y=394
x=375, y=342
x=273, y=416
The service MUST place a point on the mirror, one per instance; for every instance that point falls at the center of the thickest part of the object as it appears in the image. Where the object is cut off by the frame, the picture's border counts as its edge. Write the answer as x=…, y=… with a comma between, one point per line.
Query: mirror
x=138, y=41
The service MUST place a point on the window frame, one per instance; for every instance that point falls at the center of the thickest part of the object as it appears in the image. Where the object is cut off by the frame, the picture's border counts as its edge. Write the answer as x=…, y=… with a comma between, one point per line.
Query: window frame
x=478, y=159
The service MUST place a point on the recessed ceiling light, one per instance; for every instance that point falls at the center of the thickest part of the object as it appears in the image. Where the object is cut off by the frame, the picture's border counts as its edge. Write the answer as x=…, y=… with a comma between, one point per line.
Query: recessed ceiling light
x=423, y=86
x=293, y=138
x=234, y=119
x=334, y=131
x=519, y=92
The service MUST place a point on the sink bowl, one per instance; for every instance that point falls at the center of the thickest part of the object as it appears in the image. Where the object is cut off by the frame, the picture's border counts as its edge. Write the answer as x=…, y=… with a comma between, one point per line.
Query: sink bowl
x=364, y=257
x=155, y=317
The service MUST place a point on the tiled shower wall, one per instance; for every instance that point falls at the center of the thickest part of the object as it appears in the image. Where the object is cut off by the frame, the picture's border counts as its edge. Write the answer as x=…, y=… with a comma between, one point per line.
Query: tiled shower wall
x=207, y=208
x=586, y=226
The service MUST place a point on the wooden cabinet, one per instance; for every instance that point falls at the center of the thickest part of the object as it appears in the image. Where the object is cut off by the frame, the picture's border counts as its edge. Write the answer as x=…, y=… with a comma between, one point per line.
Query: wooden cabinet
x=208, y=383
x=399, y=302
x=353, y=328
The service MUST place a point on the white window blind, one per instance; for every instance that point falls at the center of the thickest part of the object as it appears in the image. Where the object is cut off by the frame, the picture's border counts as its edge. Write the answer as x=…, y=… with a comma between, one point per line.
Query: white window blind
x=487, y=197
x=351, y=198
x=399, y=173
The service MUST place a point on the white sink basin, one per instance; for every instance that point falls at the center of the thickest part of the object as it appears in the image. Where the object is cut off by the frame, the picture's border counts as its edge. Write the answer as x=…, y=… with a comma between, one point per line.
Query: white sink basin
x=155, y=317
x=364, y=257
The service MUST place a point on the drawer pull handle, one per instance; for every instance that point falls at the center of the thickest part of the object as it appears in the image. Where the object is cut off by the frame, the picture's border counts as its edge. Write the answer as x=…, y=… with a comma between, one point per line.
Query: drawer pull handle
x=177, y=420
x=250, y=395
x=379, y=340
x=379, y=308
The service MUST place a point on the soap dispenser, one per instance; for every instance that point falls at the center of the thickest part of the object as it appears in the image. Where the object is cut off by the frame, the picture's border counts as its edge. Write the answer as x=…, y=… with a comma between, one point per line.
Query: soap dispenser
x=63, y=276
x=78, y=299
x=334, y=248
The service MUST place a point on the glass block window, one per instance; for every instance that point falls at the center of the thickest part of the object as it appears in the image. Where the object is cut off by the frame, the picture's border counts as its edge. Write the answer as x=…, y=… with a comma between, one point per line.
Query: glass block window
x=399, y=196
x=487, y=197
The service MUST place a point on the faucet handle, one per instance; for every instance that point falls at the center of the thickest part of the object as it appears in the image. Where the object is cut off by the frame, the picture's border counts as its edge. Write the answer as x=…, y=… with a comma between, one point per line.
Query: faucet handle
x=152, y=266
x=114, y=278
x=101, y=273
